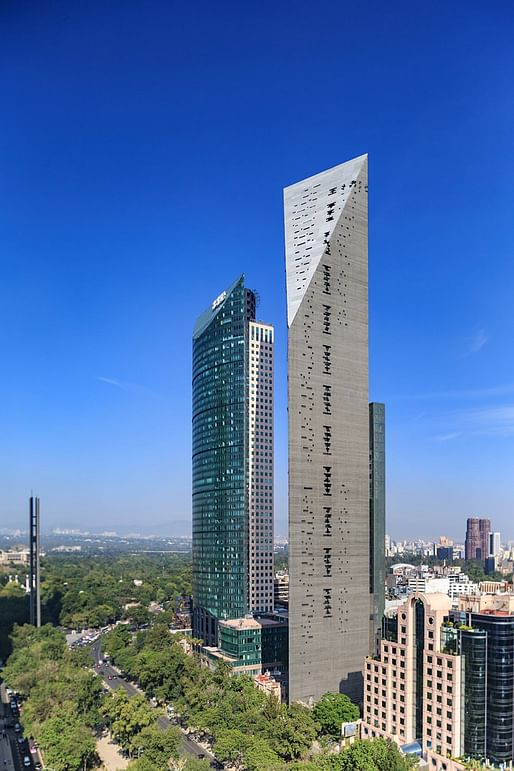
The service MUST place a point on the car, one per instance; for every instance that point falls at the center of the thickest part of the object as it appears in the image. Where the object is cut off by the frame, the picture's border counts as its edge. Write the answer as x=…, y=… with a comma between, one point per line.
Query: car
x=27, y=761
x=21, y=740
x=38, y=765
x=17, y=728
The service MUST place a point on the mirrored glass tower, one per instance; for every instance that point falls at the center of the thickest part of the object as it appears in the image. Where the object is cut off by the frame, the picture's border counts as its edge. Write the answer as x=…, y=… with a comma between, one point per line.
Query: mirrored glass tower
x=232, y=462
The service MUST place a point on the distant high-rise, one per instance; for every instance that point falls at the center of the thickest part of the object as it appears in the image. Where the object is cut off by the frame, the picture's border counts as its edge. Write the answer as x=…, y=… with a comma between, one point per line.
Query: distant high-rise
x=232, y=463
x=377, y=516
x=494, y=544
x=34, y=568
x=477, y=538
x=331, y=615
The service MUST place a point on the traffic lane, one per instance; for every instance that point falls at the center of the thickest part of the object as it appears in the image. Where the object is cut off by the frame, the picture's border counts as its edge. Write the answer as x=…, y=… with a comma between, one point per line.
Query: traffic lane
x=19, y=752
x=114, y=681
x=189, y=744
x=104, y=670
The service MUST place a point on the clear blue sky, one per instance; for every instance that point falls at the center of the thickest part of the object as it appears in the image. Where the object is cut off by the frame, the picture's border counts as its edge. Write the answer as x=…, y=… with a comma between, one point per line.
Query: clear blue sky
x=144, y=147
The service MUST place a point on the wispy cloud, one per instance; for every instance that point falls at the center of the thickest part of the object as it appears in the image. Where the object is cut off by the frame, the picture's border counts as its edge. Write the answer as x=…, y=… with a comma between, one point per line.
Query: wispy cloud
x=490, y=421
x=448, y=437
x=476, y=343
x=125, y=386
x=463, y=393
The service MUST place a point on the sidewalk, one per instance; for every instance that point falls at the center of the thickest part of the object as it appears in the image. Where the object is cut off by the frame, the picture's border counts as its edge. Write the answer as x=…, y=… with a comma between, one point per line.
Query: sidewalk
x=110, y=754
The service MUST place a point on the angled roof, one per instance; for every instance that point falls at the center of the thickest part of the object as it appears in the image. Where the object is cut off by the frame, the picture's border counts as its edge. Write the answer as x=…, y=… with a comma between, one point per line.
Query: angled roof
x=307, y=230
x=205, y=318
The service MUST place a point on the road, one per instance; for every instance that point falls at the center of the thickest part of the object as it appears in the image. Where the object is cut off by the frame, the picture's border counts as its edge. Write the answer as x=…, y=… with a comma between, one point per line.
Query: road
x=188, y=745
x=11, y=751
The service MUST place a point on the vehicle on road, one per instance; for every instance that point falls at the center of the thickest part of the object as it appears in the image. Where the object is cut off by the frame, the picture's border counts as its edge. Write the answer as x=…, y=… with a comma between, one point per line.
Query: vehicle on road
x=17, y=728
x=27, y=761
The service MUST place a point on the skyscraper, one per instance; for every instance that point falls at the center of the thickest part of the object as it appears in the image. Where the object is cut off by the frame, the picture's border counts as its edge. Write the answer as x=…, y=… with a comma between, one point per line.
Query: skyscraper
x=232, y=462
x=377, y=516
x=477, y=538
x=34, y=569
x=495, y=544
x=330, y=608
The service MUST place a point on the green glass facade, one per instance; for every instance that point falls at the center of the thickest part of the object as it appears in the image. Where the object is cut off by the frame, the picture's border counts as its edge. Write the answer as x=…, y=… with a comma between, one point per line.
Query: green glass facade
x=220, y=528
x=242, y=643
x=377, y=516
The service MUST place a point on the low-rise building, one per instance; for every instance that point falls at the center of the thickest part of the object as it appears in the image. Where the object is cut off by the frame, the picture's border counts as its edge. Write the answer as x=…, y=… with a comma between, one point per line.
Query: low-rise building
x=15, y=557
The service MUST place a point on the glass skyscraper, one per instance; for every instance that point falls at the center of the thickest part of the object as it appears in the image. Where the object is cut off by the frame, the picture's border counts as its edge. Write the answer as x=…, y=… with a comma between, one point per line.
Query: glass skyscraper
x=377, y=517
x=232, y=462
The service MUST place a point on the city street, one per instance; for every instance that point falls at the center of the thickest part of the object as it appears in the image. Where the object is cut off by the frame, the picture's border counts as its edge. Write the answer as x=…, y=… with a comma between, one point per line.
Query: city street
x=11, y=752
x=189, y=745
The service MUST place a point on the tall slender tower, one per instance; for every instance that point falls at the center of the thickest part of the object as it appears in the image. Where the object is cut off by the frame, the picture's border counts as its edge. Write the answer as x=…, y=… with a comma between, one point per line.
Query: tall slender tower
x=34, y=569
x=330, y=609
x=232, y=462
x=377, y=518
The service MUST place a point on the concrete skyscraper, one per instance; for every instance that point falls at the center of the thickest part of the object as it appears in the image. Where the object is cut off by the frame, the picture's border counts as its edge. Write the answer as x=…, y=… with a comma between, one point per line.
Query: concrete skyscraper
x=330, y=604
x=232, y=463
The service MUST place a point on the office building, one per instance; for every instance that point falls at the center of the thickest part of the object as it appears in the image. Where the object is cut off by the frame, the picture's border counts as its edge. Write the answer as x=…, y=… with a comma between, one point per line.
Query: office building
x=232, y=463
x=377, y=517
x=477, y=538
x=330, y=605
x=445, y=679
x=495, y=545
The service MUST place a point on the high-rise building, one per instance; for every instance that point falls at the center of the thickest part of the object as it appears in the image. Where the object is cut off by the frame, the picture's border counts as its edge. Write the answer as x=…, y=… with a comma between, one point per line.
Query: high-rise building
x=377, y=516
x=330, y=607
x=34, y=565
x=495, y=544
x=477, y=538
x=445, y=679
x=232, y=462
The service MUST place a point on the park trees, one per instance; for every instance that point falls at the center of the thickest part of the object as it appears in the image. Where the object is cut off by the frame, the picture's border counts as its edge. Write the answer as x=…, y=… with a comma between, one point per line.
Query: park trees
x=332, y=710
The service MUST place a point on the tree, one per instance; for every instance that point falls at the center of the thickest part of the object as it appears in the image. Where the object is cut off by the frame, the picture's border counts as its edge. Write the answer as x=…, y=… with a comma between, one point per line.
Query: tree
x=291, y=731
x=155, y=747
x=128, y=716
x=374, y=755
x=245, y=751
x=67, y=744
x=332, y=710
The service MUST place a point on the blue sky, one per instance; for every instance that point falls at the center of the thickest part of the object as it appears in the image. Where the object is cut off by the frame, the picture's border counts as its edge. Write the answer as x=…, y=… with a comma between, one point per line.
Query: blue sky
x=144, y=148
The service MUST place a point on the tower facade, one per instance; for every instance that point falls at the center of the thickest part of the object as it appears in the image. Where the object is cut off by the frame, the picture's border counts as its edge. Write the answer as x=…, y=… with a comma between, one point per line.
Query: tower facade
x=34, y=567
x=330, y=609
x=477, y=538
x=232, y=462
x=377, y=517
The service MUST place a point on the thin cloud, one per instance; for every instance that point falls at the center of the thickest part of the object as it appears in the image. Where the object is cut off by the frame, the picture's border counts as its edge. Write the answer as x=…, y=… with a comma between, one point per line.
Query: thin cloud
x=465, y=393
x=476, y=343
x=491, y=421
x=449, y=437
x=125, y=386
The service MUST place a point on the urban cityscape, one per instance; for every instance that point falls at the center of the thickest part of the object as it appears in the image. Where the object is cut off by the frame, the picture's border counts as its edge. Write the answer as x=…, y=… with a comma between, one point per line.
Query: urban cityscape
x=300, y=617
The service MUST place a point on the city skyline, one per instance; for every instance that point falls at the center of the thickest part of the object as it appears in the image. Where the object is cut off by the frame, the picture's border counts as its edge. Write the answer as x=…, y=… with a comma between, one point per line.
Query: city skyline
x=103, y=196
